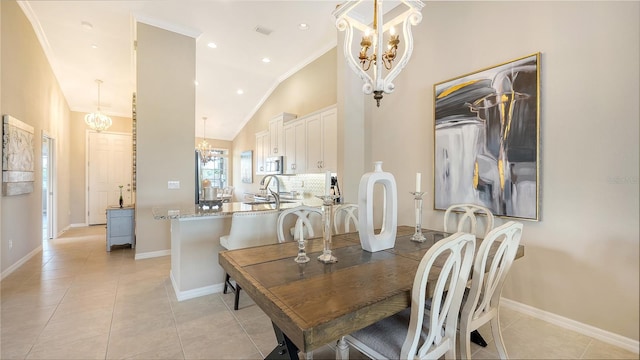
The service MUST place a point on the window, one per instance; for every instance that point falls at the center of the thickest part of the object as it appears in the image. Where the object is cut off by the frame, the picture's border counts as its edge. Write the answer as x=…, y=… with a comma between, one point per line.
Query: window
x=217, y=169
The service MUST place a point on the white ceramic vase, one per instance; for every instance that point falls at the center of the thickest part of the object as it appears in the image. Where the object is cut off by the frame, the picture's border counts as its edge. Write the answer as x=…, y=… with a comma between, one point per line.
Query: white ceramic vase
x=386, y=239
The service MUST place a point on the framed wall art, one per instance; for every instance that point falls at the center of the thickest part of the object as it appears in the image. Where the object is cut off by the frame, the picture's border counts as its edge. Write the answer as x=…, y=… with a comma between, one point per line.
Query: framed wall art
x=18, y=157
x=487, y=139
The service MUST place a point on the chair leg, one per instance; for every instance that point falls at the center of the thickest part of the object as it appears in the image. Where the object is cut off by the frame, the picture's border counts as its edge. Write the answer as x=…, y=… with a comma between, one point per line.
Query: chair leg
x=476, y=338
x=465, y=344
x=237, y=299
x=497, y=337
x=342, y=350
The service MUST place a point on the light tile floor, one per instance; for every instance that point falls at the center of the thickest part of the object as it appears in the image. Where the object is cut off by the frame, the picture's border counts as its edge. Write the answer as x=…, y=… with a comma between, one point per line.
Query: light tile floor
x=77, y=301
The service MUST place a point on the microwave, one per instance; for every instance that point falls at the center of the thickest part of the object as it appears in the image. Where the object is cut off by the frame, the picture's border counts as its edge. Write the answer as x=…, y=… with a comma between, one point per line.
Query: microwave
x=274, y=165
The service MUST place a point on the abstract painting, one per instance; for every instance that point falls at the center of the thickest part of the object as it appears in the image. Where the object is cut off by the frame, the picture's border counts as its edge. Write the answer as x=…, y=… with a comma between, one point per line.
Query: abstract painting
x=17, y=157
x=487, y=139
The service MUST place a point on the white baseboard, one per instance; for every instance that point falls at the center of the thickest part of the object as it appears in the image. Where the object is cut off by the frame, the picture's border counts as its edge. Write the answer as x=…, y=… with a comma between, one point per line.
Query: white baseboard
x=20, y=262
x=152, y=254
x=592, y=331
x=78, y=225
x=62, y=231
x=194, y=293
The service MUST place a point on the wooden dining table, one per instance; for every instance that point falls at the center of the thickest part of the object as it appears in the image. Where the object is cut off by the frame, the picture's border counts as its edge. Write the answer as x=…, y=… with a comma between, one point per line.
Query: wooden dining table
x=314, y=304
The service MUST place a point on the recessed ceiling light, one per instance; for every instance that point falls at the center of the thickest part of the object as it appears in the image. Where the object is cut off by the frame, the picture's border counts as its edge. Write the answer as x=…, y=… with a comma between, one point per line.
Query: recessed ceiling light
x=266, y=60
x=94, y=46
x=240, y=92
x=303, y=26
x=87, y=25
x=212, y=45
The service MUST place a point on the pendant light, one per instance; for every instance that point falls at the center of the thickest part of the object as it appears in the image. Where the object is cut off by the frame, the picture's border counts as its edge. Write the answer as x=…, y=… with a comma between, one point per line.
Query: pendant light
x=97, y=120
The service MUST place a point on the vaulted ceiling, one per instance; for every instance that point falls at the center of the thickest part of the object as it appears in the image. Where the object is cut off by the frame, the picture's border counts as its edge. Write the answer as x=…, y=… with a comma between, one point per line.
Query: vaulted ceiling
x=86, y=40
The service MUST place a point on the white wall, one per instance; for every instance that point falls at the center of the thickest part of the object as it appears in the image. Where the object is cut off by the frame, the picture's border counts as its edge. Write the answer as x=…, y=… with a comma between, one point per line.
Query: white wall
x=30, y=93
x=581, y=258
x=165, y=114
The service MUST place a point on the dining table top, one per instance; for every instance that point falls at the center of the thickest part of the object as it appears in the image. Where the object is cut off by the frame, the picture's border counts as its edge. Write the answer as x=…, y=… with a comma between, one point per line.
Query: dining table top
x=316, y=303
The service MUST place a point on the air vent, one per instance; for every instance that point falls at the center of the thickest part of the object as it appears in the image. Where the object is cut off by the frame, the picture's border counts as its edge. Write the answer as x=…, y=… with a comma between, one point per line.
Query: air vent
x=263, y=30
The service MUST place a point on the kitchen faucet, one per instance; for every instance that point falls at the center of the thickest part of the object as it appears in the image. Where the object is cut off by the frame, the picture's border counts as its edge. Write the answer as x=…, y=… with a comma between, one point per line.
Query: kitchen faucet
x=265, y=186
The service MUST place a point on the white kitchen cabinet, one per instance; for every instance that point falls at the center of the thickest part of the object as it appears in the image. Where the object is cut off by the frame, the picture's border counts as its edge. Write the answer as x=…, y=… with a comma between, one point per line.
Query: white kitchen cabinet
x=276, y=133
x=322, y=132
x=120, y=226
x=295, y=147
x=263, y=143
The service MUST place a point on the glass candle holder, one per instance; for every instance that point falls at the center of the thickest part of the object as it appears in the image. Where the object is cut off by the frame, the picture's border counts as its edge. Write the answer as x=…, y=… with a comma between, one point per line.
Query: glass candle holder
x=417, y=198
x=327, y=218
x=302, y=254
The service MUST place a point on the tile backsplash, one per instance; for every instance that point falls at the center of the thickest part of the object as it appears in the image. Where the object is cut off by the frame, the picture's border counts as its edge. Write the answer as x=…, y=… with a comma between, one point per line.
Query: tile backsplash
x=307, y=185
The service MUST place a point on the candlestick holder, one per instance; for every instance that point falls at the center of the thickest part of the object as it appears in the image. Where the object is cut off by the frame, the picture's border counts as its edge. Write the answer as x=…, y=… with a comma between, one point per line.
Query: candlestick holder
x=417, y=198
x=327, y=218
x=302, y=254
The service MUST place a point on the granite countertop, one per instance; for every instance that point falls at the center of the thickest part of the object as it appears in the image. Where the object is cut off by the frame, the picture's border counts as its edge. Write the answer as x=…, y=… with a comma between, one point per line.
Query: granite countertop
x=191, y=211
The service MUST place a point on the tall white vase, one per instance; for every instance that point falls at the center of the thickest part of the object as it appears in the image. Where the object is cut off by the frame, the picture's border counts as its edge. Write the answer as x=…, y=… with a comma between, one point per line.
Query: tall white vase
x=386, y=239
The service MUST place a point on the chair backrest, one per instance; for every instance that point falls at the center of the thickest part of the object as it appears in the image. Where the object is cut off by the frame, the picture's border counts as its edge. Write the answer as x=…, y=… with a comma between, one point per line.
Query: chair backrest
x=343, y=216
x=454, y=256
x=489, y=274
x=253, y=228
x=303, y=221
x=468, y=216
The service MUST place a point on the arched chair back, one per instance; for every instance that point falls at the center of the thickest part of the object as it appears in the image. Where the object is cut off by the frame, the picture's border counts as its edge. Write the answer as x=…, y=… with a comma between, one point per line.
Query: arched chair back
x=251, y=228
x=344, y=216
x=467, y=219
x=248, y=229
x=483, y=300
x=311, y=227
x=411, y=333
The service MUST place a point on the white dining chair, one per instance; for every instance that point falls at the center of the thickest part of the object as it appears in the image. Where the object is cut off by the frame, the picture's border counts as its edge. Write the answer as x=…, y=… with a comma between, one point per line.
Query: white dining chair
x=311, y=226
x=467, y=218
x=227, y=193
x=411, y=334
x=344, y=215
x=483, y=299
x=248, y=229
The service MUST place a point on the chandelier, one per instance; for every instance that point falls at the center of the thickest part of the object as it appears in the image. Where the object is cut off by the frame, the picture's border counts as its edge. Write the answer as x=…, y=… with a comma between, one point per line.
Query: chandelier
x=380, y=59
x=204, y=148
x=97, y=120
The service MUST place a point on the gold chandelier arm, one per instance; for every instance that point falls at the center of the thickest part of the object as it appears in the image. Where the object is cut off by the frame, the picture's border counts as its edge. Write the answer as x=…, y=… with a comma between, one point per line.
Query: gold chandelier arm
x=413, y=19
x=343, y=24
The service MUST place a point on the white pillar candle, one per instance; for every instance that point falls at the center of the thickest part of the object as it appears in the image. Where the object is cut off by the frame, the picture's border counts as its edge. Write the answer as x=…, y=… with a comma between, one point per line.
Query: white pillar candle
x=418, y=180
x=327, y=183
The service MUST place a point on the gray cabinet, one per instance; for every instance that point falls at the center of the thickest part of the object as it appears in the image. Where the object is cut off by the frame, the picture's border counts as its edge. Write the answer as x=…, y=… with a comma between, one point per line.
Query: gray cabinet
x=120, y=226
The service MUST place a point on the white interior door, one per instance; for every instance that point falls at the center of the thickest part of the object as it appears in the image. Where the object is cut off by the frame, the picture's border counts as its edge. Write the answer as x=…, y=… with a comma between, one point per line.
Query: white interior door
x=109, y=166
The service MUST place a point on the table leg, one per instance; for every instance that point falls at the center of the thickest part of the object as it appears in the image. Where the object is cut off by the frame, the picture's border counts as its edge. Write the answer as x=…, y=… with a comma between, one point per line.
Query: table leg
x=476, y=338
x=285, y=348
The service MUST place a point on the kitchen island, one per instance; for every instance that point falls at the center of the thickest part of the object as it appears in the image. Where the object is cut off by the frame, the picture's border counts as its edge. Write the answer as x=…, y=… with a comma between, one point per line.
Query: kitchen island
x=195, y=242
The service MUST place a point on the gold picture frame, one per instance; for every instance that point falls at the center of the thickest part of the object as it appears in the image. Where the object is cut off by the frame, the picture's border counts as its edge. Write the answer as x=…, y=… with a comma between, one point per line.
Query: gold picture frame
x=487, y=136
